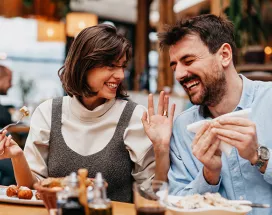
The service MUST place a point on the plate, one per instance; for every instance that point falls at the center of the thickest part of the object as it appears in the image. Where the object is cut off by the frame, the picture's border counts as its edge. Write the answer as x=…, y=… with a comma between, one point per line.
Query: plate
x=204, y=211
x=16, y=200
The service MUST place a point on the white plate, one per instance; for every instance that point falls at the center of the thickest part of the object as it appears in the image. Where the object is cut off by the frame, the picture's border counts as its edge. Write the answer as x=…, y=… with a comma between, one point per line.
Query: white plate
x=15, y=200
x=205, y=211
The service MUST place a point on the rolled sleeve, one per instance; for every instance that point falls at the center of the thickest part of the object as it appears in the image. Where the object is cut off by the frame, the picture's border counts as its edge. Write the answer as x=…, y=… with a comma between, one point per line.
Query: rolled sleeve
x=36, y=147
x=201, y=185
x=140, y=148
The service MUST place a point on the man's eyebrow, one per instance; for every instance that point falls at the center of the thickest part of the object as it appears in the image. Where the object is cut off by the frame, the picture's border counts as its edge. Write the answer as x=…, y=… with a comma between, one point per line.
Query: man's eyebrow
x=186, y=56
x=172, y=63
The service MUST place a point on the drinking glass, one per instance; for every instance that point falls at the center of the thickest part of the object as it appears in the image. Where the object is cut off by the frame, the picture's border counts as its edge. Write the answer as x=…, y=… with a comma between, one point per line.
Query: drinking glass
x=149, y=198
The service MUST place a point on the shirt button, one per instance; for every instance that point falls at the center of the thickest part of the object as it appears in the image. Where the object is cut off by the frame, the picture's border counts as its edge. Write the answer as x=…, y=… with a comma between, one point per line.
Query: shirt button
x=241, y=197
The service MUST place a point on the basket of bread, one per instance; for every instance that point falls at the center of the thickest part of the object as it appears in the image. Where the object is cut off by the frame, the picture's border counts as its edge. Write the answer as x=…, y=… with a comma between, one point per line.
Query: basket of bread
x=47, y=189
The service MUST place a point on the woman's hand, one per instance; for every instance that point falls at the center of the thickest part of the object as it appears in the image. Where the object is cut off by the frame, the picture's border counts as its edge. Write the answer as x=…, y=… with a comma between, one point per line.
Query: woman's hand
x=158, y=127
x=8, y=147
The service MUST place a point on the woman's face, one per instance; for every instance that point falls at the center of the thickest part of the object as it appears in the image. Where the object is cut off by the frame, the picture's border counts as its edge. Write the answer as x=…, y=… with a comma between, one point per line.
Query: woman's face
x=105, y=80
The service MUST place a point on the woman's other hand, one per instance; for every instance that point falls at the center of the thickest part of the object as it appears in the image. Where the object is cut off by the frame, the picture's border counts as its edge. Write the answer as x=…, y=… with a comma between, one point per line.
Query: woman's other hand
x=8, y=147
x=158, y=127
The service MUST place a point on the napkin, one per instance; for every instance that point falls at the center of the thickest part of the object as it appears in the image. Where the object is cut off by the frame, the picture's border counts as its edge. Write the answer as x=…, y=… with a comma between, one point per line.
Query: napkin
x=224, y=147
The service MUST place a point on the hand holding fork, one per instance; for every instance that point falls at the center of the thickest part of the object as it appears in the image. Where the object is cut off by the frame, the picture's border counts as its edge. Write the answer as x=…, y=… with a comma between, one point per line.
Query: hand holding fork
x=24, y=112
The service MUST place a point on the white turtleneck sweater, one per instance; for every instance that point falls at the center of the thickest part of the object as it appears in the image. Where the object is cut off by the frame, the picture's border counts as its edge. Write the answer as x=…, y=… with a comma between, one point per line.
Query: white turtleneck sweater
x=87, y=132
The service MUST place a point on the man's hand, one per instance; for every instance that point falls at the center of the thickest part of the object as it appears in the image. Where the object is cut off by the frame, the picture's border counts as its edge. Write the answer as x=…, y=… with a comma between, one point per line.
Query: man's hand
x=240, y=133
x=205, y=149
x=158, y=127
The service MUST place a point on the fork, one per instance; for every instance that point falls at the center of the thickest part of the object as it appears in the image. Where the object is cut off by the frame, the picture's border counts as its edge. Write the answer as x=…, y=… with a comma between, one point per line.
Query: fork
x=12, y=124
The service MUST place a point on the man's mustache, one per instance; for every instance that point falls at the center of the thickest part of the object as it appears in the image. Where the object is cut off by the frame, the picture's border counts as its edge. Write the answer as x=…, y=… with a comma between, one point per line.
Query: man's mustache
x=187, y=79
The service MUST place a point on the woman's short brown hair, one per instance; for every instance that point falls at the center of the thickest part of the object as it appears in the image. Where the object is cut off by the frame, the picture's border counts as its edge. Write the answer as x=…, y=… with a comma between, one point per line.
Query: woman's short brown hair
x=94, y=47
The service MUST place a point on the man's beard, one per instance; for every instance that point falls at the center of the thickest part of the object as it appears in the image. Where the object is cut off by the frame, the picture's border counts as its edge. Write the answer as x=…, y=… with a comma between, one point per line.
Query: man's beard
x=3, y=92
x=214, y=84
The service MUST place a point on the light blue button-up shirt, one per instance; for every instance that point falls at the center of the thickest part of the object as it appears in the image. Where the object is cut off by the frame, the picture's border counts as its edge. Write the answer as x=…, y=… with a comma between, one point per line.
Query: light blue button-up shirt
x=239, y=179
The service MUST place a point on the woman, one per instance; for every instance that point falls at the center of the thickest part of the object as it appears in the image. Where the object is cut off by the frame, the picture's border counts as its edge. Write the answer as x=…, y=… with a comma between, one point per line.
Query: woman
x=95, y=127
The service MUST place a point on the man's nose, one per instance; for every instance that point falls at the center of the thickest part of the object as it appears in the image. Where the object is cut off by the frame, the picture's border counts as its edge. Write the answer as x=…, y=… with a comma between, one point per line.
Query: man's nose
x=181, y=71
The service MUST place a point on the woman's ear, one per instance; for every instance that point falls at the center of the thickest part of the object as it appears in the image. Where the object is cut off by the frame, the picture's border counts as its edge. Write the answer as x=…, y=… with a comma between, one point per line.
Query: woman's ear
x=225, y=52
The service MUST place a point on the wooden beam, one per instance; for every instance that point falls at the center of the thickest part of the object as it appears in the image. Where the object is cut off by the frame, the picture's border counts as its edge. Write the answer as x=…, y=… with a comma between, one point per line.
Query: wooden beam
x=167, y=16
x=11, y=8
x=142, y=41
x=218, y=6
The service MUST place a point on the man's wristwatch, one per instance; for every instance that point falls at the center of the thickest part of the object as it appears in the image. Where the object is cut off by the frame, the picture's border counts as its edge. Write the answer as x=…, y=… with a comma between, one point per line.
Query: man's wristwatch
x=263, y=156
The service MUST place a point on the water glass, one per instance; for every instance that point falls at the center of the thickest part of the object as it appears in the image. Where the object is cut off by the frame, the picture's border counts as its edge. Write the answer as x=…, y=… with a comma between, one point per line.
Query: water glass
x=149, y=198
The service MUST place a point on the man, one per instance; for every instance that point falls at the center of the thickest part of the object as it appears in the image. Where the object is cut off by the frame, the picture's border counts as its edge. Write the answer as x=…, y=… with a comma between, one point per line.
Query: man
x=6, y=170
x=5, y=84
x=201, y=54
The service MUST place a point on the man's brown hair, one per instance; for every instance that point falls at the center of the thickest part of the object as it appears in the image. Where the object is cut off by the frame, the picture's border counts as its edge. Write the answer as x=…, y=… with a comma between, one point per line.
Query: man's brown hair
x=214, y=31
x=94, y=47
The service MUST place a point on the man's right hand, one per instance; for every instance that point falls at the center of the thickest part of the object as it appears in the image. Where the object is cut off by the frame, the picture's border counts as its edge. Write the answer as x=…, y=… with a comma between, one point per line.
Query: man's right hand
x=8, y=147
x=205, y=149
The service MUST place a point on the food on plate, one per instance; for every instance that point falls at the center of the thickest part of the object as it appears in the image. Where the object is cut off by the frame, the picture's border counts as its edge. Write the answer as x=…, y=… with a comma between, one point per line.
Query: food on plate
x=208, y=200
x=20, y=192
x=12, y=190
x=53, y=182
x=24, y=110
x=38, y=196
x=24, y=193
x=60, y=182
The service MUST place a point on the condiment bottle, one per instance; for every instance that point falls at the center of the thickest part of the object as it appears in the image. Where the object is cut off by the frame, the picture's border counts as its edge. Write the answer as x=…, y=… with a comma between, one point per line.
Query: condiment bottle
x=100, y=204
x=71, y=206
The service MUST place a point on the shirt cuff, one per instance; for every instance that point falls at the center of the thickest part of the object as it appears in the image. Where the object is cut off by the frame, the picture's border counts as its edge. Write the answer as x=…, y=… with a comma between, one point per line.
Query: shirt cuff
x=268, y=172
x=202, y=185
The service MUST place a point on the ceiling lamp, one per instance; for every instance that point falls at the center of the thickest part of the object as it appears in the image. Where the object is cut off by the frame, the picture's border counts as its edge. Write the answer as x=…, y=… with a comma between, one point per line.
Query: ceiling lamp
x=76, y=22
x=51, y=31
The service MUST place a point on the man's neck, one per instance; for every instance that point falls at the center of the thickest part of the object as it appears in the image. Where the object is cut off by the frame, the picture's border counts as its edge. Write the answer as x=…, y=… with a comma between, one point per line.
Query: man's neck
x=232, y=97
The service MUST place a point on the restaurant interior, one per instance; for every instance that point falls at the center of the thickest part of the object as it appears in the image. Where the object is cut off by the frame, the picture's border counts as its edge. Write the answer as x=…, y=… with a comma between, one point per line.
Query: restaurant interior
x=35, y=36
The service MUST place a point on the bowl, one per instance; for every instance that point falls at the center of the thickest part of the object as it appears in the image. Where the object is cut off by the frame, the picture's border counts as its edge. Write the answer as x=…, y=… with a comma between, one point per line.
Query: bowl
x=47, y=190
x=48, y=195
x=204, y=211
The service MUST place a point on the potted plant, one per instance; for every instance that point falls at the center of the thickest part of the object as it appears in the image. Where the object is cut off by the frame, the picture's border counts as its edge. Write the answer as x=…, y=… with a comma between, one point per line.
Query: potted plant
x=250, y=33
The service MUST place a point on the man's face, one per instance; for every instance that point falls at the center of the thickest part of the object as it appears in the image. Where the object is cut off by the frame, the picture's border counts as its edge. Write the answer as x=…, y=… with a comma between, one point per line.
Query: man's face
x=5, y=83
x=198, y=71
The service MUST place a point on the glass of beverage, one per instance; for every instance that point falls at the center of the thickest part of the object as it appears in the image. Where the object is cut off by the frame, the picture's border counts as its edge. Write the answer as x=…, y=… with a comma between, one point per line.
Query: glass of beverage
x=149, y=198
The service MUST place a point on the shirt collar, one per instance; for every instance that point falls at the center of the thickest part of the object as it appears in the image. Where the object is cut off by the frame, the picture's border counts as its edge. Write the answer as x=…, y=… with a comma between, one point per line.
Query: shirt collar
x=84, y=114
x=245, y=100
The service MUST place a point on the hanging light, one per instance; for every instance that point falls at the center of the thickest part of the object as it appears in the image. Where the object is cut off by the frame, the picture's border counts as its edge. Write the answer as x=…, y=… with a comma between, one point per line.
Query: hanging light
x=76, y=22
x=51, y=31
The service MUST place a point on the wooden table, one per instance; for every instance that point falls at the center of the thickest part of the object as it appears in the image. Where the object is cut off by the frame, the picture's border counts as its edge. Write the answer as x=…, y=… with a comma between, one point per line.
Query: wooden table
x=261, y=72
x=18, y=129
x=119, y=208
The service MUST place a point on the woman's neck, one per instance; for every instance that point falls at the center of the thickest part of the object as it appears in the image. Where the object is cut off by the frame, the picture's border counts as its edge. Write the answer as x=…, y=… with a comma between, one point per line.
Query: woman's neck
x=91, y=102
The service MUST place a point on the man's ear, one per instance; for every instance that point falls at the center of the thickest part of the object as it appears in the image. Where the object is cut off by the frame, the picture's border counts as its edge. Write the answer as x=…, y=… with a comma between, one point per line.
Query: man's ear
x=225, y=53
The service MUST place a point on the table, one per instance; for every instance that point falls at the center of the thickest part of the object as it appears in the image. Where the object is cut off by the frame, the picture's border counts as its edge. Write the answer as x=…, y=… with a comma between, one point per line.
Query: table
x=119, y=208
x=261, y=72
x=18, y=129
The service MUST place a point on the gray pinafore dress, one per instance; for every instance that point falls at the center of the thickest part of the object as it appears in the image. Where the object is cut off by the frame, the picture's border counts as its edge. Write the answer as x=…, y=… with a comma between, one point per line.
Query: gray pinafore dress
x=113, y=161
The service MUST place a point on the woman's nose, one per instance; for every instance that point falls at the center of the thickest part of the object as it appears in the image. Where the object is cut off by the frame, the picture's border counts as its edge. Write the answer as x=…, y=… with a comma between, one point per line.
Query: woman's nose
x=119, y=73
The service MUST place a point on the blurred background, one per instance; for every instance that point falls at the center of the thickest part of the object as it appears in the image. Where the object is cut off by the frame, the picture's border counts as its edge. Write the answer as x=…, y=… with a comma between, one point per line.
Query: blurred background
x=35, y=36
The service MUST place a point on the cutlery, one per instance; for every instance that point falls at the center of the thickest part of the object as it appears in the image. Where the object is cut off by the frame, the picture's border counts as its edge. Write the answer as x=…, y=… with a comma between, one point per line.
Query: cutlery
x=249, y=203
x=24, y=111
x=12, y=124
x=147, y=194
